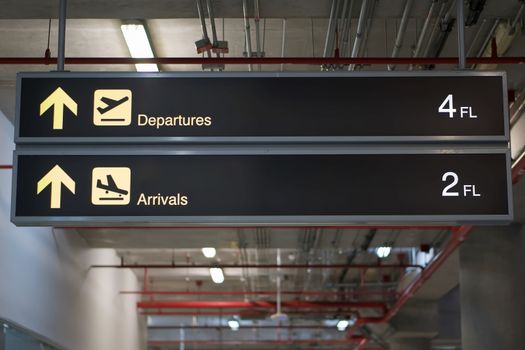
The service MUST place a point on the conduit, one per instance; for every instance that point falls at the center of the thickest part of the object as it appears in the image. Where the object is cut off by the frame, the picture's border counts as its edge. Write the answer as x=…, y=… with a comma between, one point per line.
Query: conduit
x=294, y=304
x=401, y=31
x=6, y=167
x=267, y=292
x=263, y=60
x=259, y=266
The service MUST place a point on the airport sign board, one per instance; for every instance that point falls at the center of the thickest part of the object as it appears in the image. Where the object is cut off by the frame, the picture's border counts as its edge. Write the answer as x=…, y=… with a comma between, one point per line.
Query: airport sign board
x=259, y=186
x=155, y=108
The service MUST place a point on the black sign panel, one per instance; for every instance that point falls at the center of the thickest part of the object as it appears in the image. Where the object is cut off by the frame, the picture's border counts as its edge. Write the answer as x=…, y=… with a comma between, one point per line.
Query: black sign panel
x=276, y=188
x=236, y=107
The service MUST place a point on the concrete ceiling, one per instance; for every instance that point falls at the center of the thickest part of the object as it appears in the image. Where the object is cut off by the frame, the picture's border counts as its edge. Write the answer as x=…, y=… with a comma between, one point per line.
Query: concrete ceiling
x=132, y=9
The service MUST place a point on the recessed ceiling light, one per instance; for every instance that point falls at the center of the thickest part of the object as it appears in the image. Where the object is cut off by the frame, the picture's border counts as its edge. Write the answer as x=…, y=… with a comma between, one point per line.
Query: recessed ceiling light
x=383, y=252
x=139, y=46
x=209, y=252
x=217, y=275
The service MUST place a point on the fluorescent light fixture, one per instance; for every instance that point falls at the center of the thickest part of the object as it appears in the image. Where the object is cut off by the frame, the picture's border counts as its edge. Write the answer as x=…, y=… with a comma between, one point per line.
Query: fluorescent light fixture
x=342, y=324
x=233, y=324
x=139, y=46
x=383, y=252
x=209, y=252
x=217, y=275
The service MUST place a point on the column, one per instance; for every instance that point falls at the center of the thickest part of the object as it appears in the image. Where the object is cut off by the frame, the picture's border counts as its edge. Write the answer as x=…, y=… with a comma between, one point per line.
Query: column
x=492, y=288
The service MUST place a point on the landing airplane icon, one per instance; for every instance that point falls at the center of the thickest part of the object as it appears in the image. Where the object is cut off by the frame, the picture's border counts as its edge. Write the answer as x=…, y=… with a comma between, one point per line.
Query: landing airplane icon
x=111, y=103
x=111, y=187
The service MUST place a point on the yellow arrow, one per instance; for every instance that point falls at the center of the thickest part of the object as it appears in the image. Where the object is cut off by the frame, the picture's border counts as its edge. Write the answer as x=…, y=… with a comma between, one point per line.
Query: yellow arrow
x=58, y=99
x=56, y=177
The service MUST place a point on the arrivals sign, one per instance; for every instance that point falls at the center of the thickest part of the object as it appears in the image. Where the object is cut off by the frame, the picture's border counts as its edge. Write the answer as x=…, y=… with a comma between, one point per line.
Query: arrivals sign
x=137, y=186
x=260, y=107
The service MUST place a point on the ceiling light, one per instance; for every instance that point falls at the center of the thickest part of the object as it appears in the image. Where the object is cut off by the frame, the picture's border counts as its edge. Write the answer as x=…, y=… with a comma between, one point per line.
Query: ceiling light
x=139, y=46
x=233, y=324
x=209, y=252
x=383, y=252
x=217, y=275
x=342, y=324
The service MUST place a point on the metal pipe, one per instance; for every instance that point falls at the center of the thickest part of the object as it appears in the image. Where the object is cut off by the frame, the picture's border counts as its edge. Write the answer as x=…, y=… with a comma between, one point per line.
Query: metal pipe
x=518, y=16
x=283, y=42
x=257, y=29
x=488, y=38
x=401, y=31
x=6, y=167
x=343, y=29
x=476, y=37
x=359, y=34
x=278, y=282
x=222, y=304
x=443, y=17
x=211, y=14
x=366, y=292
x=518, y=169
x=260, y=266
x=331, y=22
x=424, y=31
x=369, y=22
x=460, y=20
x=61, y=35
x=248, y=36
x=346, y=29
x=200, y=10
x=261, y=60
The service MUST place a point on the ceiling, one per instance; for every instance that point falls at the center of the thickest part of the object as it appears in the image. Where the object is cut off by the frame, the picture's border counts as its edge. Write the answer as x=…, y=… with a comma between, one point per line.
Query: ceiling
x=93, y=30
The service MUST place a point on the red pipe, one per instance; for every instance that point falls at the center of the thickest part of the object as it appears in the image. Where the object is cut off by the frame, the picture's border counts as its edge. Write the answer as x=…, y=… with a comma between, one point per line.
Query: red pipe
x=264, y=266
x=255, y=304
x=190, y=327
x=355, y=338
x=265, y=292
x=256, y=313
x=6, y=167
x=266, y=60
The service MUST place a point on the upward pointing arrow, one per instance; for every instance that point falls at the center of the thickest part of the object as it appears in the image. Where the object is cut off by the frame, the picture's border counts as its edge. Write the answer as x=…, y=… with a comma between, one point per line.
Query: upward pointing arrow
x=58, y=99
x=56, y=177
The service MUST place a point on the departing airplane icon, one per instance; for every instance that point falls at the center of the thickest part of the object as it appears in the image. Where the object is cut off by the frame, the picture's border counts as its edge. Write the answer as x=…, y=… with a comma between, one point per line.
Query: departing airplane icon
x=112, y=107
x=111, y=103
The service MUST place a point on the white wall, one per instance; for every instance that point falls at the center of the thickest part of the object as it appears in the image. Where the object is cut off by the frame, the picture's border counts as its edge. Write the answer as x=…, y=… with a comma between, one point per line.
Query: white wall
x=46, y=284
